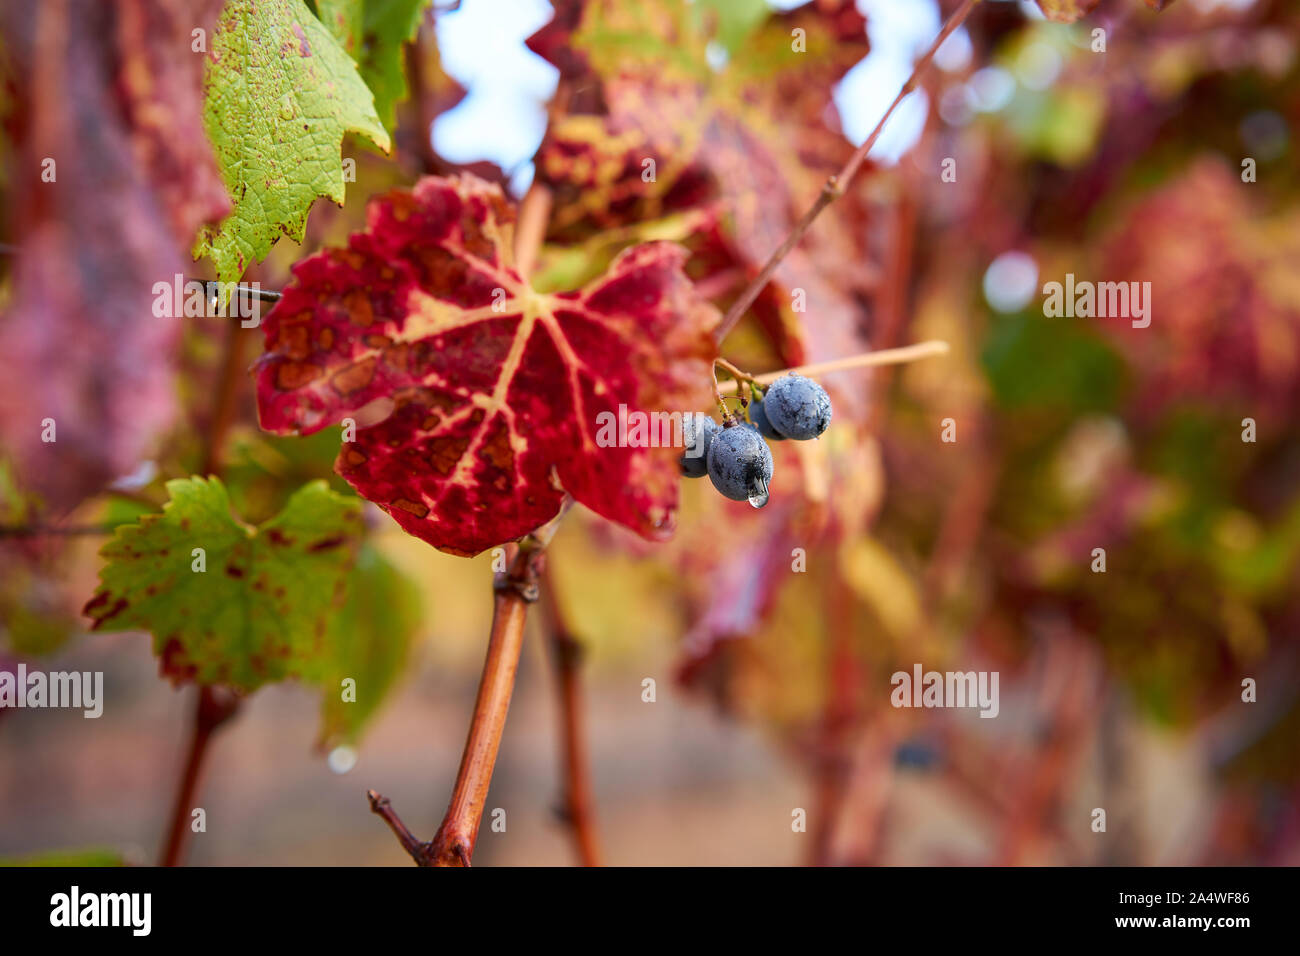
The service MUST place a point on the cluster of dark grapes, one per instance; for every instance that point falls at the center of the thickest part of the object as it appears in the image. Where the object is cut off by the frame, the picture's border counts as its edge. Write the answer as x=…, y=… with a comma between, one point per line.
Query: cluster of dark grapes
x=736, y=456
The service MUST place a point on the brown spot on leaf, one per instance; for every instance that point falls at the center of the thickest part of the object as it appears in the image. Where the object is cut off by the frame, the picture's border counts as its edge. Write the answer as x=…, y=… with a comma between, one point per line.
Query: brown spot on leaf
x=294, y=375
x=496, y=450
x=96, y=602
x=445, y=452
x=174, y=662
x=360, y=311
x=326, y=543
x=411, y=507
x=352, y=378
x=442, y=269
x=279, y=538
x=295, y=341
x=398, y=357
x=234, y=571
x=401, y=204
x=476, y=241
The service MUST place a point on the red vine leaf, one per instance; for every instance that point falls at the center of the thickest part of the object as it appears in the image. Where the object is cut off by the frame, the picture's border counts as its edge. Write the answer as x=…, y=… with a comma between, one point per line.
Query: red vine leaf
x=496, y=390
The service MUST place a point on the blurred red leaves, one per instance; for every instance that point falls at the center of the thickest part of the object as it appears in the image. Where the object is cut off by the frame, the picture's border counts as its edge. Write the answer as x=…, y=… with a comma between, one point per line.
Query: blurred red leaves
x=496, y=391
x=1229, y=332
x=753, y=140
x=1068, y=11
x=110, y=176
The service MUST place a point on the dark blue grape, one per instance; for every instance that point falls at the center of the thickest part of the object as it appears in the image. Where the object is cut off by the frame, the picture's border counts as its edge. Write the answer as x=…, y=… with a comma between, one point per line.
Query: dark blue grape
x=698, y=431
x=758, y=416
x=740, y=464
x=797, y=407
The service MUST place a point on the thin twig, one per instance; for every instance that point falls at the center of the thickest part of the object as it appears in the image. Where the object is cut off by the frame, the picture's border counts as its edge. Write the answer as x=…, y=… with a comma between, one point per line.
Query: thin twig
x=908, y=353
x=567, y=654
x=734, y=372
x=382, y=806
x=727, y=418
x=44, y=530
x=836, y=184
x=253, y=292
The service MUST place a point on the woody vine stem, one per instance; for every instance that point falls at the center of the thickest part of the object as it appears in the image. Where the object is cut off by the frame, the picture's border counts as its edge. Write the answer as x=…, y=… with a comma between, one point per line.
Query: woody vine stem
x=453, y=845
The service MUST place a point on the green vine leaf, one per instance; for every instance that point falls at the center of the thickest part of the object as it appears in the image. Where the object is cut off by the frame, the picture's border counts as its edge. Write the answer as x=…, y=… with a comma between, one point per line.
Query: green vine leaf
x=370, y=641
x=375, y=33
x=253, y=605
x=280, y=95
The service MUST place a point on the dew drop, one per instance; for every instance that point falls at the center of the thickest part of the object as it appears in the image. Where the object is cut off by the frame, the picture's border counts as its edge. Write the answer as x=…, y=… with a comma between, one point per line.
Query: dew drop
x=342, y=759
x=758, y=493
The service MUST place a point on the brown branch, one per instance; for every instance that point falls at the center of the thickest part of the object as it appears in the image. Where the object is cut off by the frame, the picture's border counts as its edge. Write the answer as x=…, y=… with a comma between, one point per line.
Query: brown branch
x=216, y=705
x=453, y=844
x=224, y=405
x=567, y=654
x=421, y=102
x=836, y=184
x=534, y=217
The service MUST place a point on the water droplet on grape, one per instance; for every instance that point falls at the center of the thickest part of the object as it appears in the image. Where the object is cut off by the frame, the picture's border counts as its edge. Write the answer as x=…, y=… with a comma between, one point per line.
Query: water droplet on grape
x=758, y=493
